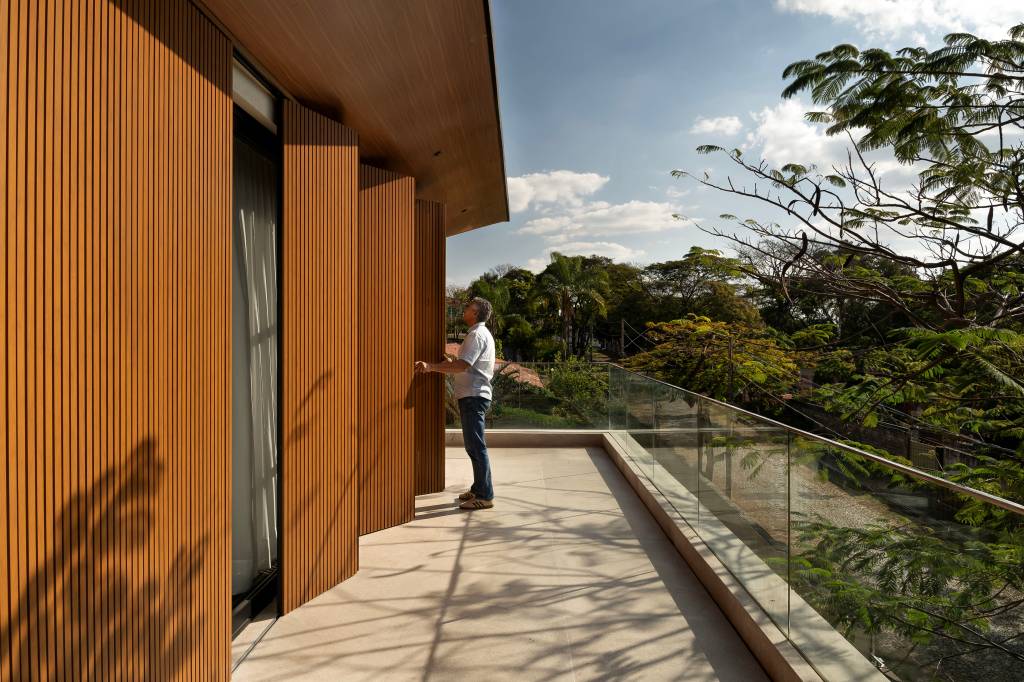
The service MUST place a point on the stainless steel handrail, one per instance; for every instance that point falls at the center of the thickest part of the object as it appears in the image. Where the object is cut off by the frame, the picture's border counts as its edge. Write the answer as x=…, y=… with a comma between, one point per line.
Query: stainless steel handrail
x=912, y=472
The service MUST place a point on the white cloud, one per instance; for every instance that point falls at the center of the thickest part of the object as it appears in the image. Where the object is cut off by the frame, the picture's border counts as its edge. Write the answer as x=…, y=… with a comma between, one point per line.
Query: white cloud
x=546, y=225
x=600, y=219
x=1011, y=136
x=570, y=222
x=560, y=187
x=723, y=125
x=785, y=137
x=613, y=250
x=894, y=176
x=915, y=19
x=535, y=265
x=782, y=136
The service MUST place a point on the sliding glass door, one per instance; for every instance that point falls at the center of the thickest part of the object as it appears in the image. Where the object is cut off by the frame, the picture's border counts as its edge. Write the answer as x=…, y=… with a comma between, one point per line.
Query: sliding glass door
x=255, y=360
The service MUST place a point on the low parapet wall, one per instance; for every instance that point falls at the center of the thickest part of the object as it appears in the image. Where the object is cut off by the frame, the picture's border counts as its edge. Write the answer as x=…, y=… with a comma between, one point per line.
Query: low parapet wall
x=519, y=438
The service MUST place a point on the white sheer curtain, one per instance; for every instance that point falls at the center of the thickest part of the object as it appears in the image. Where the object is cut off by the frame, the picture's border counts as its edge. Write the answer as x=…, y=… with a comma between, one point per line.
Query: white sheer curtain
x=254, y=254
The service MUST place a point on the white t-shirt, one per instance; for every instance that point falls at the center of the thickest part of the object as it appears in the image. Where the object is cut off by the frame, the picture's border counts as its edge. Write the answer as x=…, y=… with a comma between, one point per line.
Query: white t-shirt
x=477, y=349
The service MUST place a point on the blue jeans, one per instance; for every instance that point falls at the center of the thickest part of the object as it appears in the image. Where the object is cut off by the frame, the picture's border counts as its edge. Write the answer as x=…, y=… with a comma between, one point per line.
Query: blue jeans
x=472, y=411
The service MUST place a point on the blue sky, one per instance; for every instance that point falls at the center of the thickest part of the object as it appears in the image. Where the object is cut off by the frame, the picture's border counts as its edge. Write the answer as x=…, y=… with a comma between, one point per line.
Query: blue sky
x=601, y=99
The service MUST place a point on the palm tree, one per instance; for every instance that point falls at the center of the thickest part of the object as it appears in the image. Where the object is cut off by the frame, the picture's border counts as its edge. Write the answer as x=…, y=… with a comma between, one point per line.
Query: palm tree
x=496, y=291
x=567, y=288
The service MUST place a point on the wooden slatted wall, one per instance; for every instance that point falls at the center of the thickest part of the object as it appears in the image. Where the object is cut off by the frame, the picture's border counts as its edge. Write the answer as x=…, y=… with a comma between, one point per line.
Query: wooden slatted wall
x=430, y=338
x=319, y=376
x=386, y=344
x=115, y=312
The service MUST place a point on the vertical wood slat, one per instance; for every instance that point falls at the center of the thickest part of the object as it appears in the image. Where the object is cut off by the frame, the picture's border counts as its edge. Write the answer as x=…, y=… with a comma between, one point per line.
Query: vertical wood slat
x=116, y=217
x=77, y=344
x=15, y=313
x=161, y=284
x=319, y=376
x=429, y=286
x=386, y=345
x=45, y=311
x=7, y=43
x=60, y=414
x=6, y=257
x=31, y=387
x=127, y=389
x=48, y=472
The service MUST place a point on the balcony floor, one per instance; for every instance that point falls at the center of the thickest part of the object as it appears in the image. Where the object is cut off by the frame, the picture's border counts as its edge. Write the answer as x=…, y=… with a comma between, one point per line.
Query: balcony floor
x=567, y=578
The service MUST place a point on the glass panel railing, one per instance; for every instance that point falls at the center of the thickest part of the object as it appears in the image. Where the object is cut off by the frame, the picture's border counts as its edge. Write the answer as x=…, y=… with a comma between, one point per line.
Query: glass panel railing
x=631, y=412
x=871, y=568
x=543, y=395
x=925, y=583
x=743, y=502
x=618, y=398
x=674, y=449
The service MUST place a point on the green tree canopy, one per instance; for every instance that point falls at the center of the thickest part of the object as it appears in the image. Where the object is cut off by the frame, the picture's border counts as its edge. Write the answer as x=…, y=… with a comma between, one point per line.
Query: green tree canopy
x=946, y=314
x=719, y=359
x=571, y=292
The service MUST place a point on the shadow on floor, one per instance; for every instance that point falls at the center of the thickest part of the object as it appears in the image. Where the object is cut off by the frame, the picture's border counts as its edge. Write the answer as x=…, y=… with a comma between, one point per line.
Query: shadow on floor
x=566, y=578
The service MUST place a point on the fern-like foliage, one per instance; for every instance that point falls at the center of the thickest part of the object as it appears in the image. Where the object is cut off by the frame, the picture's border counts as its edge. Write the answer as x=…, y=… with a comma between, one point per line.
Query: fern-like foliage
x=946, y=590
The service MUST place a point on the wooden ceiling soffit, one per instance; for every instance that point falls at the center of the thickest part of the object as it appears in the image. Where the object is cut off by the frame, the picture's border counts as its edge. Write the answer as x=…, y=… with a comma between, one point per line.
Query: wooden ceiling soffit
x=414, y=78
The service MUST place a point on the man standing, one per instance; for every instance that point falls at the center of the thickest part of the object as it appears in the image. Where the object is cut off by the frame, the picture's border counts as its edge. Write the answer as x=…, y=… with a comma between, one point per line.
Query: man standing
x=473, y=370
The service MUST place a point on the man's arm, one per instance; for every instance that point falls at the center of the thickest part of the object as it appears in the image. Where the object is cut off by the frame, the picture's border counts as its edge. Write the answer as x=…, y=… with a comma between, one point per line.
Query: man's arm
x=444, y=367
x=469, y=351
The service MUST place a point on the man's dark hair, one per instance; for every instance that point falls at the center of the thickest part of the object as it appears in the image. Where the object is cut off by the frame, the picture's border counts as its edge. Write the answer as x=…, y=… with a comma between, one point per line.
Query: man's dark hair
x=483, y=309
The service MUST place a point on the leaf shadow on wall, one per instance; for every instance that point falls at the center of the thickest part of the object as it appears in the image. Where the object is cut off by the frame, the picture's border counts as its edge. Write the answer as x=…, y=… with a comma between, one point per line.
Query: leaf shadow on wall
x=329, y=494
x=116, y=614
x=393, y=497
x=303, y=416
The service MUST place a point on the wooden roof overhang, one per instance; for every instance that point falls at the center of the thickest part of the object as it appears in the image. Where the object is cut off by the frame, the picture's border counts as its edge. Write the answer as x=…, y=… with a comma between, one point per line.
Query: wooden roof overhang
x=414, y=78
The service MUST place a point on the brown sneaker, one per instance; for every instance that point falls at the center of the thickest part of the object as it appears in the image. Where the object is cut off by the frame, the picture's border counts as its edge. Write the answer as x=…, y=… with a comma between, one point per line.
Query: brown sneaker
x=468, y=495
x=477, y=503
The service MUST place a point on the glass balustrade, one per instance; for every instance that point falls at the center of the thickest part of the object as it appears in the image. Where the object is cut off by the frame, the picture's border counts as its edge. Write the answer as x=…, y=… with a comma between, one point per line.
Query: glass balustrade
x=543, y=395
x=868, y=566
x=871, y=568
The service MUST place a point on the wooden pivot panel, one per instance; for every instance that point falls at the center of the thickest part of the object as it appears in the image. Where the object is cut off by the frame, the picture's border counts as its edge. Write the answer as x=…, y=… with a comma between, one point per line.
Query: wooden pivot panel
x=386, y=335
x=115, y=309
x=320, y=405
x=428, y=411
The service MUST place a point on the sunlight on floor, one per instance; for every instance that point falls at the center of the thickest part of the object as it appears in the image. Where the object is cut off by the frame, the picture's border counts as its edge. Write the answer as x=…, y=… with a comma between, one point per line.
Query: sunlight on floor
x=568, y=577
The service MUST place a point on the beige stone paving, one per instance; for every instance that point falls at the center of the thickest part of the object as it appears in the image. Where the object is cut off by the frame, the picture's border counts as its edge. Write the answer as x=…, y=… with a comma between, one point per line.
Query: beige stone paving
x=567, y=578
